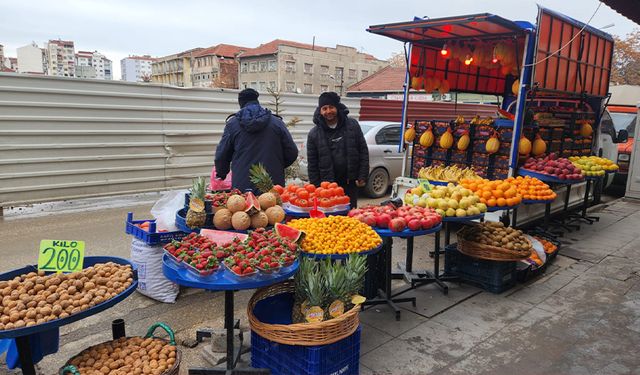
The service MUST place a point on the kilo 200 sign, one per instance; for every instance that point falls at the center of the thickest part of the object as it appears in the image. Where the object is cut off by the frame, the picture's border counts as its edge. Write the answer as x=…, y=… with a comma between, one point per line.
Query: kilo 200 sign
x=61, y=256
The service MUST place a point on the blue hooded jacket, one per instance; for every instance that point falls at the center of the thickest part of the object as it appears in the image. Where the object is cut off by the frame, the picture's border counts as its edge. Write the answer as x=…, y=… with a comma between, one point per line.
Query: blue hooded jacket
x=254, y=135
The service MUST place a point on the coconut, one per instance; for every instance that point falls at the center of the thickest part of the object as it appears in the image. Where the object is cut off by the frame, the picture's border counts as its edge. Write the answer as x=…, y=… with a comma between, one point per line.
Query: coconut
x=222, y=219
x=240, y=220
x=267, y=200
x=236, y=203
x=259, y=220
x=275, y=214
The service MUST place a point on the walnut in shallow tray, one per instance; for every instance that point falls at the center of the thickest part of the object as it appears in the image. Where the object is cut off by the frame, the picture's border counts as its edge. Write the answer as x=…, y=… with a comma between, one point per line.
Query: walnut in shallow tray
x=496, y=234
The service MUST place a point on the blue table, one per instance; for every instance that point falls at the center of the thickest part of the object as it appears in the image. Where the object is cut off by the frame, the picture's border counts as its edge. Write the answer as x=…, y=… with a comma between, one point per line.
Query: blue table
x=339, y=256
x=22, y=335
x=224, y=280
x=387, y=296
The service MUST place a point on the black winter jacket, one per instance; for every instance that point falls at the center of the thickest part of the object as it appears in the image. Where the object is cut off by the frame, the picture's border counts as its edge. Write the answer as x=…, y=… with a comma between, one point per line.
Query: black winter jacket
x=319, y=158
x=253, y=135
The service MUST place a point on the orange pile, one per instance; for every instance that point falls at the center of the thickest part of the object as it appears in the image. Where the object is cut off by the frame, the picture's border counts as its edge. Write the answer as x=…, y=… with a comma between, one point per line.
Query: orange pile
x=532, y=189
x=497, y=193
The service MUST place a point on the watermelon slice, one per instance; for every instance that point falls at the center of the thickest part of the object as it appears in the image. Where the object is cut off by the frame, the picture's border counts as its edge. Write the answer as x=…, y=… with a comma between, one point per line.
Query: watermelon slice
x=288, y=232
x=253, y=205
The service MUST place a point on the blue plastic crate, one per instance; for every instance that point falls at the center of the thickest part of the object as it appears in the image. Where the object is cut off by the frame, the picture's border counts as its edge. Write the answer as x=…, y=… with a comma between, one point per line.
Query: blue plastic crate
x=339, y=358
x=150, y=237
x=492, y=276
x=342, y=357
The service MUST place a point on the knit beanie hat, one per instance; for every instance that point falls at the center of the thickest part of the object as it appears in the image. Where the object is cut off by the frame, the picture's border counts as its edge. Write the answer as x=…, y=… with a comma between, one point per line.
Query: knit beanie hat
x=328, y=98
x=247, y=95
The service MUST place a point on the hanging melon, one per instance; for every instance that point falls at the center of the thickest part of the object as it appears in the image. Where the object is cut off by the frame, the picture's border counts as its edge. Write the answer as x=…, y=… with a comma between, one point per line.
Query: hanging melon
x=426, y=139
x=539, y=146
x=416, y=83
x=444, y=87
x=586, y=130
x=515, y=87
x=493, y=144
x=428, y=85
x=409, y=135
x=446, y=140
x=524, y=146
x=463, y=142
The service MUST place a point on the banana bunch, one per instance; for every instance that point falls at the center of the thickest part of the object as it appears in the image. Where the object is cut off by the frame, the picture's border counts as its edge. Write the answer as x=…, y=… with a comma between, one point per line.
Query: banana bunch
x=447, y=174
x=477, y=120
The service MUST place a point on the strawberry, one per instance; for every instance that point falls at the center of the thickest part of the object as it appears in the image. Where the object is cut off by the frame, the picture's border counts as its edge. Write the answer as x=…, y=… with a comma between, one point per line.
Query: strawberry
x=248, y=270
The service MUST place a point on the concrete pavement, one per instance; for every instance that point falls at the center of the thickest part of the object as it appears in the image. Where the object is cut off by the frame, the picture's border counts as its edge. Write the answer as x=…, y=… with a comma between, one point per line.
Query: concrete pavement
x=581, y=317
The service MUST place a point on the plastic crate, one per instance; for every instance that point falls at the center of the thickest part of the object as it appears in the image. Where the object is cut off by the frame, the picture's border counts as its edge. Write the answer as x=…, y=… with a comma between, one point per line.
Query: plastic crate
x=492, y=276
x=150, y=237
x=339, y=358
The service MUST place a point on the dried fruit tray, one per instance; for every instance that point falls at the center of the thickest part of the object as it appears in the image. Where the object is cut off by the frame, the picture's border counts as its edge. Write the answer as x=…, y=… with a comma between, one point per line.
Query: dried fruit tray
x=88, y=262
x=150, y=237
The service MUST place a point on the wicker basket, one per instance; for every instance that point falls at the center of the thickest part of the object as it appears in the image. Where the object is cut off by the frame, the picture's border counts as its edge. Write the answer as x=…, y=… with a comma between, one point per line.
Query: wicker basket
x=72, y=370
x=304, y=334
x=488, y=252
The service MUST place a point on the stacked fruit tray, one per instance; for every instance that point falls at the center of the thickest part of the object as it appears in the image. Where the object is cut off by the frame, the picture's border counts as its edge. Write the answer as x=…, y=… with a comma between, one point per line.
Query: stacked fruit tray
x=242, y=255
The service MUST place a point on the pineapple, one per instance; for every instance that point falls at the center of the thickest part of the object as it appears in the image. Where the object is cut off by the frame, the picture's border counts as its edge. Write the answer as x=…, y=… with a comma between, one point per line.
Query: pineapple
x=316, y=294
x=356, y=267
x=307, y=266
x=336, y=286
x=196, y=216
x=259, y=176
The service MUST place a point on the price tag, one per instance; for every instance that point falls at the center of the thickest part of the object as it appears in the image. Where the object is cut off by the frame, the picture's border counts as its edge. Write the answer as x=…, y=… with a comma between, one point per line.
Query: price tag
x=61, y=256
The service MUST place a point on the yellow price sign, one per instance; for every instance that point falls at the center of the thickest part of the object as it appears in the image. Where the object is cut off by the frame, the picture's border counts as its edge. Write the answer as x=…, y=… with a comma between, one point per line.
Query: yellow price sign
x=61, y=256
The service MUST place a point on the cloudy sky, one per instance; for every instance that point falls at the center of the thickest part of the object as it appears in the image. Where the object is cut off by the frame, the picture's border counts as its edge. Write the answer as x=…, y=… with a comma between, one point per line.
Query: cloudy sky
x=119, y=28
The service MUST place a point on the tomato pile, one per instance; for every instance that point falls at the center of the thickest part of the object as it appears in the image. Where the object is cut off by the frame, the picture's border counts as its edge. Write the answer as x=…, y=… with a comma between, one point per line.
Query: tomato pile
x=329, y=194
x=397, y=219
x=262, y=250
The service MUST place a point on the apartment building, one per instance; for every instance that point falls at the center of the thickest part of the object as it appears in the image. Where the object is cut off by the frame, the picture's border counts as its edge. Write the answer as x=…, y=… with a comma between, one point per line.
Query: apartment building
x=61, y=58
x=304, y=68
x=174, y=69
x=31, y=59
x=93, y=65
x=216, y=66
x=2, y=63
x=136, y=68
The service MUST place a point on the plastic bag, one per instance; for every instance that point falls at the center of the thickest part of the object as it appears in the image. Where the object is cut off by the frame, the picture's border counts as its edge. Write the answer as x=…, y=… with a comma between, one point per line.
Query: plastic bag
x=151, y=280
x=164, y=211
x=216, y=184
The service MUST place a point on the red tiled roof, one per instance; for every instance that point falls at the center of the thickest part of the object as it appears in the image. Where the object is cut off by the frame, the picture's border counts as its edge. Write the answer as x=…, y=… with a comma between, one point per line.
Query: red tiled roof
x=226, y=50
x=272, y=47
x=386, y=79
x=60, y=42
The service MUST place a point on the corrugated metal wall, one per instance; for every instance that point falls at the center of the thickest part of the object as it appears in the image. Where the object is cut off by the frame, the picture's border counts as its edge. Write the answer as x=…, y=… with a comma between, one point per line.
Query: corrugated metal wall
x=64, y=138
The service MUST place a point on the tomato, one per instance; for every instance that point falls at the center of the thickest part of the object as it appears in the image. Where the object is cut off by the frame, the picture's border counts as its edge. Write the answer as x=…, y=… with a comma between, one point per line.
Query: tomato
x=310, y=188
x=325, y=193
x=324, y=202
x=339, y=190
x=303, y=203
x=333, y=185
x=302, y=193
x=279, y=189
x=324, y=184
x=292, y=188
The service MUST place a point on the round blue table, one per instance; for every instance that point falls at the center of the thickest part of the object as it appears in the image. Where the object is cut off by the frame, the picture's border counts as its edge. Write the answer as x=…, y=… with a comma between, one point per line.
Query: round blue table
x=339, y=256
x=387, y=296
x=225, y=280
x=21, y=335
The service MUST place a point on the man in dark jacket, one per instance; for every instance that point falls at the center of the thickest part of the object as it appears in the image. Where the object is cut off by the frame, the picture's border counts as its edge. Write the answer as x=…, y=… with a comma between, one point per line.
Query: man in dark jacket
x=253, y=135
x=336, y=148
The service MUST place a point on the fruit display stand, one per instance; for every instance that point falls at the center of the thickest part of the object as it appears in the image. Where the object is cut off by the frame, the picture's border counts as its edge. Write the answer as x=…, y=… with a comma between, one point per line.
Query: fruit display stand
x=224, y=280
x=373, y=251
x=24, y=335
x=387, y=296
x=596, y=181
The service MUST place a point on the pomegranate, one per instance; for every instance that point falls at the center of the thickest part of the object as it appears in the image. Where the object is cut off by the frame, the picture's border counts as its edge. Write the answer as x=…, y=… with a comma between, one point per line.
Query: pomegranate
x=397, y=225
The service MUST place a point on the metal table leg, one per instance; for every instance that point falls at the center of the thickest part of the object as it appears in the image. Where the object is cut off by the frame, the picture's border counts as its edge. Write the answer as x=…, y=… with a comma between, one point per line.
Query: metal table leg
x=24, y=354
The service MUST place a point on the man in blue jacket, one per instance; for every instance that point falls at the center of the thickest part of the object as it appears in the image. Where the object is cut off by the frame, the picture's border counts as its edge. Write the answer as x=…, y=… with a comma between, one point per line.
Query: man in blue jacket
x=254, y=135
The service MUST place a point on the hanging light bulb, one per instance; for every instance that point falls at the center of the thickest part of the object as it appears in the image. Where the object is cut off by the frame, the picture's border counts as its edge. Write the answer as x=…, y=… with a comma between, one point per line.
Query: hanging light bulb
x=444, y=51
x=468, y=60
x=494, y=59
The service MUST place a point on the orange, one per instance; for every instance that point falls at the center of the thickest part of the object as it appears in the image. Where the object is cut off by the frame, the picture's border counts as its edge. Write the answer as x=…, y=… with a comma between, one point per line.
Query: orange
x=491, y=202
x=511, y=201
x=501, y=202
x=498, y=193
x=486, y=194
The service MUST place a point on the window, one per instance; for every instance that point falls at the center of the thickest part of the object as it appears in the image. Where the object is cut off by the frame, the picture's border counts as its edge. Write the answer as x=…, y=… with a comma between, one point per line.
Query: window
x=262, y=86
x=254, y=85
x=263, y=66
x=272, y=85
x=324, y=71
x=290, y=86
x=308, y=68
x=365, y=74
x=389, y=135
x=308, y=88
x=324, y=88
x=253, y=67
x=352, y=74
x=272, y=65
x=339, y=72
x=290, y=66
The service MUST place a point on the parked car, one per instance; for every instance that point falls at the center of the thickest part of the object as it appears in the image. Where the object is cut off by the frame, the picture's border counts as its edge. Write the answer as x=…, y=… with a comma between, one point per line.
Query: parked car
x=624, y=118
x=385, y=162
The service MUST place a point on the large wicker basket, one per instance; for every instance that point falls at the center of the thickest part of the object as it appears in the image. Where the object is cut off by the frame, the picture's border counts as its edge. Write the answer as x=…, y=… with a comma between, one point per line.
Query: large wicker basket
x=488, y=252
x=304, y=334
x=69, y=369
